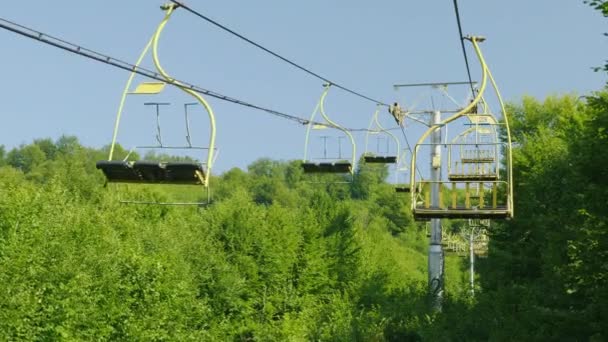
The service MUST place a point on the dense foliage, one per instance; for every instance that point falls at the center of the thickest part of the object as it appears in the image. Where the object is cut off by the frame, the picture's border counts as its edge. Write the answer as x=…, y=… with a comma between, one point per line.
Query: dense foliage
x=546, y=276
x=276, y=257
x=273, y=258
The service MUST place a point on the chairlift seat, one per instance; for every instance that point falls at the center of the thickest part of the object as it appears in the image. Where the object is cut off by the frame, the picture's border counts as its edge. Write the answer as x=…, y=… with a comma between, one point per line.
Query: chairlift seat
x=118, y=171
x=339, y=167
x=184, y=173
x=150, y=171
x=473, y=177
x=500, y=212
x=402, y=189
x=481, y=160
x=380, y=159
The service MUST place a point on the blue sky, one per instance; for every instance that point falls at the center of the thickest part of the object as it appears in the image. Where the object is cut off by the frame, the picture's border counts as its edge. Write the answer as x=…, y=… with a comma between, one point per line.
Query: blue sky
x=538, y=48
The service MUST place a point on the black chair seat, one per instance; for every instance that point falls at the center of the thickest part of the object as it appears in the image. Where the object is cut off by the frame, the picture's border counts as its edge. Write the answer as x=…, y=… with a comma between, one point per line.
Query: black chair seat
x=184, y=173
x=380, y=159
x=473, y=177
x=118, y=171
x=402, y=189
x=152, y=172
x=340, y=167
x=500, y=212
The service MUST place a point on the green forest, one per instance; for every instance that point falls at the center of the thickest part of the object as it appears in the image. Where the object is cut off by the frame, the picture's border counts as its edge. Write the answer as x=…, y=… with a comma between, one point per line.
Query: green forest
x=276, y=258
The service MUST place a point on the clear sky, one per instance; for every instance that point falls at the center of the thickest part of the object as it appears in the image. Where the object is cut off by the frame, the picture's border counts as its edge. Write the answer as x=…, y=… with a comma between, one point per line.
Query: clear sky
x=538, y=48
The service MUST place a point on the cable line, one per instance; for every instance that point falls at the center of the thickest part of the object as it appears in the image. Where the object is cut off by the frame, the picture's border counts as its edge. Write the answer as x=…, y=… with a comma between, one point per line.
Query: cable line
x=284, y=59
x=407, y=142
x=464, y=51
x=102, y=58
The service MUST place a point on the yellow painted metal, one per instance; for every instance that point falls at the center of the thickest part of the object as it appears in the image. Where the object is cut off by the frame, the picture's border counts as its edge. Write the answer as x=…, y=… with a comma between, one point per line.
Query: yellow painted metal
x=310, y=123
x=352, y=139
x=474, y=203
x=482, y=130
x=320, y=107
x=440, y=196
x=467, y=196
x=380, y=129
x=149, y=88
x=124, y=97
x=482, y=119
x=510, y=152
x=462, y=136
x=319, y=127
x=168, y=11
x=201, y=177
x=467, y=109
x=487, y=118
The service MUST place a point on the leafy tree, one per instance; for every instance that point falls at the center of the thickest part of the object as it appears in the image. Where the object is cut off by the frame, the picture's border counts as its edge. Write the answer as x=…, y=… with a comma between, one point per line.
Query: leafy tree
x=602, y=6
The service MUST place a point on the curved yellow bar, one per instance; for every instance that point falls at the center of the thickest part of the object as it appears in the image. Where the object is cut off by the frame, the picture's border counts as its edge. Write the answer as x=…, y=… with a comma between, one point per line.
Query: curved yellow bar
x=194, y=94
x=352, y=140
x=510, y=153
x=310, y=124
x=460, y=113
x=369, y=128
x=124, y=97
x=320, y=108
x=383, y=130
x=463, y=135
x=486, y=111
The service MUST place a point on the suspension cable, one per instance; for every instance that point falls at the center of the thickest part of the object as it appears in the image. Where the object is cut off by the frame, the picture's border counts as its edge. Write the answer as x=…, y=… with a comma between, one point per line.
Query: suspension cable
x=464, y=50
x=120, y=64
x=284, y=59
x=409, y=147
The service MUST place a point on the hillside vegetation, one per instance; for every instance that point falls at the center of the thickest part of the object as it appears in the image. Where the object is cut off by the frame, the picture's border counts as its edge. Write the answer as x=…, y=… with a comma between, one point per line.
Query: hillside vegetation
x=272, y=258
x=275, y=257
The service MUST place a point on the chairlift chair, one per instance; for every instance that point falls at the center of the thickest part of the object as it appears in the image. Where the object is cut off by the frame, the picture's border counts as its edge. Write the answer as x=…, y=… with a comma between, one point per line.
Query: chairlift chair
x=402, y=167
x=156, y=171
x=327, y=165
x=476, y=160
x=495, y=197
x=375, y=128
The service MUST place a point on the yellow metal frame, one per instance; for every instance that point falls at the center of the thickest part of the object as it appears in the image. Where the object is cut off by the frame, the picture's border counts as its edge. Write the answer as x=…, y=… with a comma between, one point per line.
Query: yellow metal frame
x=149, y=88
x=153, y=43
x=380, y=129
x=320, y=108
x=463, y=112
x=462, y=136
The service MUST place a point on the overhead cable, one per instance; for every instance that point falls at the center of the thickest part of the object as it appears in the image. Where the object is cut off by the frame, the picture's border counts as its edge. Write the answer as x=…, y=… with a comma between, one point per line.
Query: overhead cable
x=409, y=147
x=464, y=50
x=284, y=59
x=103, y=58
